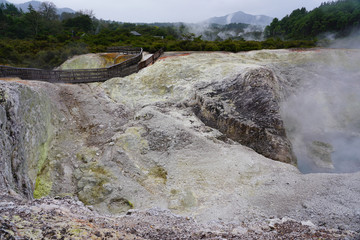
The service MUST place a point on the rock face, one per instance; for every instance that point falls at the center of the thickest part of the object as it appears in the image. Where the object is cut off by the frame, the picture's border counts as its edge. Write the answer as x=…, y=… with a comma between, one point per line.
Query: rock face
x=179, y=135
x=246, y=109
x=26, y=131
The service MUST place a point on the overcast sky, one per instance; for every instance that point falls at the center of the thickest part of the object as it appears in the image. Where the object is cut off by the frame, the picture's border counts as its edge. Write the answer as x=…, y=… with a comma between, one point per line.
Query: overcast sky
x=181, y=10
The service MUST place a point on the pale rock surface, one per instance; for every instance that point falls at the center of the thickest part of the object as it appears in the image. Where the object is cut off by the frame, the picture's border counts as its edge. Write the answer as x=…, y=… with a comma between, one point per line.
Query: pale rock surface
x=93, y=60
x=67, y=218
x=87, y=61
x=136, y=142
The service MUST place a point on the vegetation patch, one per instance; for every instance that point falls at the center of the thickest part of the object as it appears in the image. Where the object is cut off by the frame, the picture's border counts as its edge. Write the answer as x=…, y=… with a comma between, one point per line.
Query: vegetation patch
x=94, y=185
x=159, y=172
x=43, y=186
x=340, y=18
x=55, y=38
x=43, y=183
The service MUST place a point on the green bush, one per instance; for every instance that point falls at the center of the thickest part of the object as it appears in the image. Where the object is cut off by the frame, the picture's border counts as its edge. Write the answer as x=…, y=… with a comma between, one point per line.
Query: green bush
x=8, y=55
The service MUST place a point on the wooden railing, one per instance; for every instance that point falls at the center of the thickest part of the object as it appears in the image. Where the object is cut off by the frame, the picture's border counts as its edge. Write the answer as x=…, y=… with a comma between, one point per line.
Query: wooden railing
x=122, y=69
x=124, y=50
x=151, y=59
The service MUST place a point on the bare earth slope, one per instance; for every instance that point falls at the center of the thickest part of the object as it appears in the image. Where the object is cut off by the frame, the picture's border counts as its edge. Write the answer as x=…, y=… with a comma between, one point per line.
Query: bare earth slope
x=189, y=134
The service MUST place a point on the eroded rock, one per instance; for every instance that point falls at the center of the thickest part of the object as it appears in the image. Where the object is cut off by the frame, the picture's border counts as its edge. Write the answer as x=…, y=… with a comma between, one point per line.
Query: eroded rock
x=246, y=109
x=68, y=218
x=27, y=124
x=136, y=142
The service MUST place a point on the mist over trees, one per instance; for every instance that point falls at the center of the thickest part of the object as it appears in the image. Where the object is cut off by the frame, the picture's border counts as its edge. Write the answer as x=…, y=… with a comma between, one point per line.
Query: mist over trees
x=337, y=17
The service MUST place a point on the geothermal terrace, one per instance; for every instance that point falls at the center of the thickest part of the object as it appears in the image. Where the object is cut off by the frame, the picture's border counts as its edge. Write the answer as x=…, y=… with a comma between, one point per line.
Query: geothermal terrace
x=255, y=145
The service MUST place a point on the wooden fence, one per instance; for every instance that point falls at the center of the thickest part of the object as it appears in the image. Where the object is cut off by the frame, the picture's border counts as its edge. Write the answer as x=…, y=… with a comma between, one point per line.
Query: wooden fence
x=150, y=60
x=124, y=50
x=122, y=69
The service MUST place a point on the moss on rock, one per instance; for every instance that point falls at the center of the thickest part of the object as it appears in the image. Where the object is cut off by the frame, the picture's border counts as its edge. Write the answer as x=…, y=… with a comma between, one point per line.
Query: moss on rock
x=159, y=172
x=95, y=185
x=43, y=186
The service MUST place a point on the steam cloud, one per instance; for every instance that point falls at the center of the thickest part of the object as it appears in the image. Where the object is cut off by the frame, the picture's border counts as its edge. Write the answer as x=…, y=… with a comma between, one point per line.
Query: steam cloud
x=350, y=42
x=323, y=117
x=211, y=33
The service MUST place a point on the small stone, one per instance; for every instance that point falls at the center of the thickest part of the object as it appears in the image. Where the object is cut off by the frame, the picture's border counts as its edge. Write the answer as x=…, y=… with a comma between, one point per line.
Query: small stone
x=239, y=231
x=108, y=188
x=341, y=228
x=130, y=212
x=308, y=223
x=13, y=193
x=357, y=213
x=98, y=234
x=267, y=229
x=322, y=223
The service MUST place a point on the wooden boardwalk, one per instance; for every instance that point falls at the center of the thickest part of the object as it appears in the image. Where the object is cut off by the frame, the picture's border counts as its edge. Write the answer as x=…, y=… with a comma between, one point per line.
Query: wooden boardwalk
x=122, y=69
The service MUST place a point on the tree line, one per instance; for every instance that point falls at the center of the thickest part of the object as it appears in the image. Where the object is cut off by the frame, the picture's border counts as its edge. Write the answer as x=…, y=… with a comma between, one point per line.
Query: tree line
x=43, y=39
x=338, y=17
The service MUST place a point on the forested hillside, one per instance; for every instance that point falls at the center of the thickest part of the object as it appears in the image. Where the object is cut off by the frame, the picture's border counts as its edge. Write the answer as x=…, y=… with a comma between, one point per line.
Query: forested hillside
x=338, y=17
x=43, y=39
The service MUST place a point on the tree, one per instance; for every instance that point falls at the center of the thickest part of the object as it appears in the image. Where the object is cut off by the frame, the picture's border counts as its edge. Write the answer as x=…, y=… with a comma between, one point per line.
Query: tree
x=10, y=9
x=48, y=11
x=274, y=29
x=33, y=18
x=188, y=36
x=340, y=16
x=88, y=12
x=81, y=23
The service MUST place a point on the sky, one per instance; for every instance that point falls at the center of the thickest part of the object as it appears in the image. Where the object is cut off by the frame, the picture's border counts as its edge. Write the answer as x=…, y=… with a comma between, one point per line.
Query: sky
x=190, y=11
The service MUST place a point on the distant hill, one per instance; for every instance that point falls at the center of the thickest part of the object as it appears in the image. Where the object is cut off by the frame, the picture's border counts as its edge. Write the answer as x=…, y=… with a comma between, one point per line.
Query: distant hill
x=3, y=1
x=241, y=17
x=36, y=6
x=25, y=6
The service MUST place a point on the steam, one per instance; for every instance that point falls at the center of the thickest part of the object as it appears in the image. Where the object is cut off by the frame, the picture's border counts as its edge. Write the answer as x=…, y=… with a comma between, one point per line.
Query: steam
x=211, y=32
x=229, y=18
x=323, y=117
x=226, y=34
x=352, y=41
x=253, y=33
x=332, y=40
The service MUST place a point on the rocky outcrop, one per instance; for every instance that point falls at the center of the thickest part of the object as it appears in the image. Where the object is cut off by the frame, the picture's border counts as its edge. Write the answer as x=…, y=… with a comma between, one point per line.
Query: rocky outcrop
x=67, y=218
x=247, y=110
x=136, y=142
x=26, y=124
